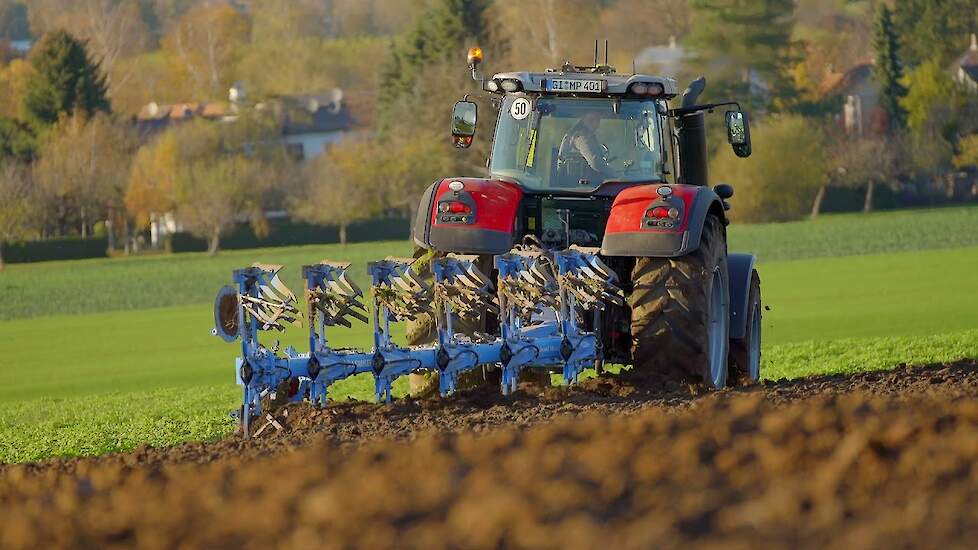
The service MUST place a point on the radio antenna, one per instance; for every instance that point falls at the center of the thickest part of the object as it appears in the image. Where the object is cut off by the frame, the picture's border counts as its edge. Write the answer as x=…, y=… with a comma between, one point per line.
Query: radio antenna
x=595, y=52
x=606, y=51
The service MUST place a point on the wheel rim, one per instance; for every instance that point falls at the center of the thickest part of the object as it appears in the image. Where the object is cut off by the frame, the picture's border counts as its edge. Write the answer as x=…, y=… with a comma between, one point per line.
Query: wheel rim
x=755, y=345
x=718, y=332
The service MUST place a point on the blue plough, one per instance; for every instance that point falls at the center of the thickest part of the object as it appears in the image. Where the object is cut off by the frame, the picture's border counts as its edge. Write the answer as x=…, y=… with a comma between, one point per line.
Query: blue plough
x=540, y=299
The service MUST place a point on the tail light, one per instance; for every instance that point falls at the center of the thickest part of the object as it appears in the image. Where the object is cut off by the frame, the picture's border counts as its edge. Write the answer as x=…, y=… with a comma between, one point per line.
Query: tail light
x=660, y=212
x=460, y=209
x=454, y=207
x=663, y=214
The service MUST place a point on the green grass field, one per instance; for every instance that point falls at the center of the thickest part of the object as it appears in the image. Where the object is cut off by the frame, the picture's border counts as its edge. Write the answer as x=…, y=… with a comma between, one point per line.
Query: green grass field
x=102, y=355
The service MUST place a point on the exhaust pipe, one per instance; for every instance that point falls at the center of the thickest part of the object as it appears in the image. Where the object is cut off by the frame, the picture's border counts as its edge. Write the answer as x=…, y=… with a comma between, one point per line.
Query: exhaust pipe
x=693, y=165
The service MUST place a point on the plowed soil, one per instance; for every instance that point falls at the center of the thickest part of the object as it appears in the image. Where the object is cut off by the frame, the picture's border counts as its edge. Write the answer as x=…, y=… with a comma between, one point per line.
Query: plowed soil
x=886, y=459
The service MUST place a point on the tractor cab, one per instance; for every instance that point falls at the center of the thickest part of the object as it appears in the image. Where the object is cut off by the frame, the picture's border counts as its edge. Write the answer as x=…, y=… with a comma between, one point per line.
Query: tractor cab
x=573, y=130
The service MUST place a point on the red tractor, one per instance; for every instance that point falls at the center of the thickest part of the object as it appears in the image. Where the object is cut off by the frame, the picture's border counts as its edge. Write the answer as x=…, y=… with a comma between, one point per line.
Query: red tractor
x=588, y=157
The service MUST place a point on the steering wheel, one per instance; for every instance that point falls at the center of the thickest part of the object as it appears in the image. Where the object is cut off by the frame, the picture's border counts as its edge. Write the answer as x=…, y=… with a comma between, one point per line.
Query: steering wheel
x=606, y=154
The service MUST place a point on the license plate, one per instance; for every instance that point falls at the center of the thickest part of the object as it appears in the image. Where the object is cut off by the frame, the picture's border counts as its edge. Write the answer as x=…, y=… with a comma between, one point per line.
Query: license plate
x=567, y=85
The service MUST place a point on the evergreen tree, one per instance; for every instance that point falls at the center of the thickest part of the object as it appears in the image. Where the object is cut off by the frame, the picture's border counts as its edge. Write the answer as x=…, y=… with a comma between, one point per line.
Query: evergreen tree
x=65, y=80
x=16, y=140
x=745, y=50
x=888, y=69
x=934, y=29
x=440, y=37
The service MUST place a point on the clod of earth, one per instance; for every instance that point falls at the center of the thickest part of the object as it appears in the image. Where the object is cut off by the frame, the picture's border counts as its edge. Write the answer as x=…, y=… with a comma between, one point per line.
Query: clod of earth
x=868, y=460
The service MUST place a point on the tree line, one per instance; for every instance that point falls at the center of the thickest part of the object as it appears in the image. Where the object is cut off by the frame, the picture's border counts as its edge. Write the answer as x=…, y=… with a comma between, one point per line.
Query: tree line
x=72, y=163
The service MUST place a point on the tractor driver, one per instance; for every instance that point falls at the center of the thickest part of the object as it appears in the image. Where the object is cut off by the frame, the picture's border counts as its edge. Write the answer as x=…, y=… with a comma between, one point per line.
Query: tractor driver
x=581, y=142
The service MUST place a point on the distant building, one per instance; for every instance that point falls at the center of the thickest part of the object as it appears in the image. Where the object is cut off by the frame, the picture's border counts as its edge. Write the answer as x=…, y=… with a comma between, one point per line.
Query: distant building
x=309, y=123
x=862, y=114
x=965, y=69
x=21, y=46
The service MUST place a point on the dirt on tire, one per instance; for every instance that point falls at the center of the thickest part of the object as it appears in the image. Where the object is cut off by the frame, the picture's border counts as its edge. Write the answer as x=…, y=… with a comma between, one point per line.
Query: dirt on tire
x=868, y=460
x=669, y=305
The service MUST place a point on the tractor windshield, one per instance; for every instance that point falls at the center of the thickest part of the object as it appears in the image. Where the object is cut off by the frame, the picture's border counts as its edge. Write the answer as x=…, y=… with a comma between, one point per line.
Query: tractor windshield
x=576, y=144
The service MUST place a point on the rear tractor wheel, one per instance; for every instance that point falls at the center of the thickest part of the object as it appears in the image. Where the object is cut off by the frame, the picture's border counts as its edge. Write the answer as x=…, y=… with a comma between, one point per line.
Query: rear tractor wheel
x=745, y=353
x=681, y=312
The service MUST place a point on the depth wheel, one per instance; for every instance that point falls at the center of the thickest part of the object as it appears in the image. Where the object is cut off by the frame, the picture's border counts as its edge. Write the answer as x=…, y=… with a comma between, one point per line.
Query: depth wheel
x=681, y=313
x=745, y=353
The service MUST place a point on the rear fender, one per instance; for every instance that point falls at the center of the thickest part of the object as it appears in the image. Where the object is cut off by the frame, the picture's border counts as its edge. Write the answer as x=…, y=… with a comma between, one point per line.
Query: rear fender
x=630, y=233
x=740, y=267
x=487, y=227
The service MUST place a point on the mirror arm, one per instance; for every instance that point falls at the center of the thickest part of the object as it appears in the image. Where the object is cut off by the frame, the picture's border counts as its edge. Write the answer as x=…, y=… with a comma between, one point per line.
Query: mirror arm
x=683, y=111
x=481, y=95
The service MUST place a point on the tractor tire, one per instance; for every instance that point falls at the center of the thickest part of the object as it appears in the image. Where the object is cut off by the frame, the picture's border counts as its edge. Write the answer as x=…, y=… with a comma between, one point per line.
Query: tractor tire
x=745, y=353
x=680, y=312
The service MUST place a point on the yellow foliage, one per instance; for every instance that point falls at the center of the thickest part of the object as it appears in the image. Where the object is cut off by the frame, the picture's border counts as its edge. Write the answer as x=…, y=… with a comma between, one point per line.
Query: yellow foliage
x=969, y=152
x=152, y=180
x=779, y=181
x=13, y=84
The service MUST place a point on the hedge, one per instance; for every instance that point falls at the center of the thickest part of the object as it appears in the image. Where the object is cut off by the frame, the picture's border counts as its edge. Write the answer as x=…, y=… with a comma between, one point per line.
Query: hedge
x=282, y=233
x=64, y=248
x=291, y=233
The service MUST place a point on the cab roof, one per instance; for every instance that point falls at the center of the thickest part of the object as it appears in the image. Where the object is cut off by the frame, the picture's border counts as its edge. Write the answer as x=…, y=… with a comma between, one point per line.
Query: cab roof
x=614, y=84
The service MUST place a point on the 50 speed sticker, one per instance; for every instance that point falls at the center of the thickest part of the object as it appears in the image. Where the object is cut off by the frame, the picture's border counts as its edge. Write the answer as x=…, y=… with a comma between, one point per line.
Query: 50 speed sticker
x=520, y=108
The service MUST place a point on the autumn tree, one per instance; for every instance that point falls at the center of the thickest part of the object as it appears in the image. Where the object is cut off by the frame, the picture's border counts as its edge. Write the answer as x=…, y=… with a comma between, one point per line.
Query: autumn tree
x=82, y=171
x=111, y=29
x=291, y=53
x=433, y=53
x=65, y=80
x=14, y=79
x=932, y=99
x=780, y=180
x=213, y=196
x=16, y=140
x=967, y=156
x=212, y=176
x=546, y=33
x=16, y=208
x=746, y=48
x=202, y=48
x=339, y=186
x=866, y=163
x=934, y=29
x=152, y=180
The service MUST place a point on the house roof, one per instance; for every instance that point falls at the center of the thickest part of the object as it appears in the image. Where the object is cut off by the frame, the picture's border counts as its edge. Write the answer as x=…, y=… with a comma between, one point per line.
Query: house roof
x=839, y=83
x=304, y=114
x=181, y=111
x=313, y=114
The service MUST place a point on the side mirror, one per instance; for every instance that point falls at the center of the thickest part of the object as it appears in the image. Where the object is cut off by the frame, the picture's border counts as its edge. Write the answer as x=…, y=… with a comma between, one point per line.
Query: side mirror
x=464, y=116
x=738, y=133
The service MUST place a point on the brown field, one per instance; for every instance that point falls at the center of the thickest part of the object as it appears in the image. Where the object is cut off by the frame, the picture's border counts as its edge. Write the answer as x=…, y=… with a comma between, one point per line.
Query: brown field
x=871, y=460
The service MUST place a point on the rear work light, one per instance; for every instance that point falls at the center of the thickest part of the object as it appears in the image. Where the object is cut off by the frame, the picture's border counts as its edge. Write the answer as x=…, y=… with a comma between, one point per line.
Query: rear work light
x=511, y=85
x=650, y=89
